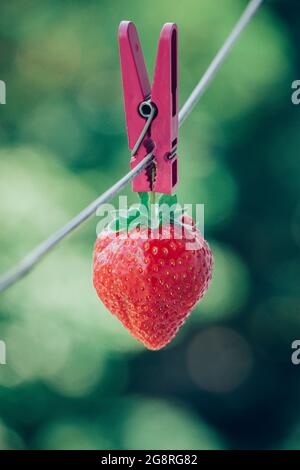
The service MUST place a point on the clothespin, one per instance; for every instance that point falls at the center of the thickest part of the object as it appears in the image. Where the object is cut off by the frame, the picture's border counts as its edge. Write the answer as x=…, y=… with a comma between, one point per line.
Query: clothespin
x=140, y=101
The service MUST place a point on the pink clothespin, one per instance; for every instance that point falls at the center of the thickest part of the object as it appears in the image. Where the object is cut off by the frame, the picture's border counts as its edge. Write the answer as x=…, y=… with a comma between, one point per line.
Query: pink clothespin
x=139, y=101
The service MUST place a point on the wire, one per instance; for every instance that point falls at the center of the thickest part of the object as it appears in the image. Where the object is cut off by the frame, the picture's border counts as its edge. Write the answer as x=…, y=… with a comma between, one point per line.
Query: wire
x=218, y=60
x=41, y=250
x=29, y=262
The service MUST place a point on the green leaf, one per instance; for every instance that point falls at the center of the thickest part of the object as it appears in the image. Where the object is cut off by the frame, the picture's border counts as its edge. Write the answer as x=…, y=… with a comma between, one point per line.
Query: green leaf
x=144, y=197
x=168, y=212
x=169, y=199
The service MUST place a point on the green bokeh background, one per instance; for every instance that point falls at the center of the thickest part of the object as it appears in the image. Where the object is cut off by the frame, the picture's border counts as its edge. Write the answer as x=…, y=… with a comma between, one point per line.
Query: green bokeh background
x=75, y=379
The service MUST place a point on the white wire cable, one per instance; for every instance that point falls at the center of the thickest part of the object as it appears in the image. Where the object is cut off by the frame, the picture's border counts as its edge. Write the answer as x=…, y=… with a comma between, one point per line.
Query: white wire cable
x=218, y=60
x=28, y=263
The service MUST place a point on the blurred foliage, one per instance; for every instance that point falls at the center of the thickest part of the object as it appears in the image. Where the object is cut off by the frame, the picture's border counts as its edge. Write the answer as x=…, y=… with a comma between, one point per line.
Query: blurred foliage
x=74, y=377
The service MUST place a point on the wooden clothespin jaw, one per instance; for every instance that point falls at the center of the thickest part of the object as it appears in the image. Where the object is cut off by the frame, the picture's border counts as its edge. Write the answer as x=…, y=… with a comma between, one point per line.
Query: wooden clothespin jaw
x=139, y=100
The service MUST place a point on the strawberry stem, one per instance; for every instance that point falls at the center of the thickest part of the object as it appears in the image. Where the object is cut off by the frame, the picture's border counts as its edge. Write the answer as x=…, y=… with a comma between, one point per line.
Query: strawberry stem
x=152, y=197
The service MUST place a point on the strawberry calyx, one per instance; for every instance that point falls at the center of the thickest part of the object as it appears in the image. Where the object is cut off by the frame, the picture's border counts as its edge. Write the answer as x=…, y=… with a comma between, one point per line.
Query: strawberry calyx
x=151, y=214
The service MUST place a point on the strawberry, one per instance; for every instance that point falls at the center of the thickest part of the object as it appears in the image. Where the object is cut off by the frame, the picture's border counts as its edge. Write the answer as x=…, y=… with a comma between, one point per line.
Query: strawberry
x=150, y=279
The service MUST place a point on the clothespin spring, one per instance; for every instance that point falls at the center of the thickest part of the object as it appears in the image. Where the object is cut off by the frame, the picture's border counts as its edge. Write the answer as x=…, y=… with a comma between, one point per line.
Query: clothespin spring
x=147, y=110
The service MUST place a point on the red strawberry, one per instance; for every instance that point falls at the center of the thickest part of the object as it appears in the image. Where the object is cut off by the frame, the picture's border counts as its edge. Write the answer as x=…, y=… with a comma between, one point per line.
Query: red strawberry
x=150, y=279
